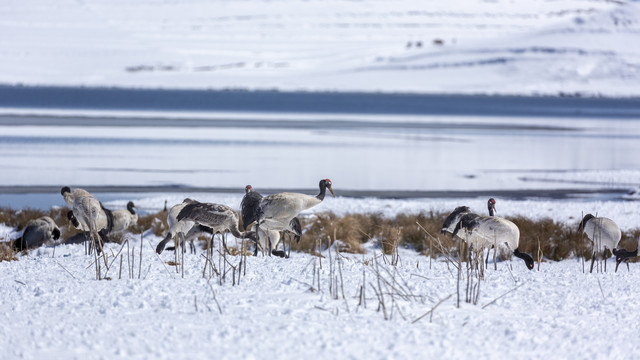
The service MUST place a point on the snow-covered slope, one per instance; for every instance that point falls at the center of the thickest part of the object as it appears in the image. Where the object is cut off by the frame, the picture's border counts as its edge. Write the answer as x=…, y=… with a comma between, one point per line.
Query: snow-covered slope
x=464, y=46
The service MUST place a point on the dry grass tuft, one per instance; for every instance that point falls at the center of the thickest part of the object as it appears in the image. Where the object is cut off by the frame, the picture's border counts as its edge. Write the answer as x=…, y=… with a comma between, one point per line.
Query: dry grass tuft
x=234, y=251
x=156, y=222
x=7, y=253
x=390, y=237
x=20, y=218
x=557, y=241
x=351, y=230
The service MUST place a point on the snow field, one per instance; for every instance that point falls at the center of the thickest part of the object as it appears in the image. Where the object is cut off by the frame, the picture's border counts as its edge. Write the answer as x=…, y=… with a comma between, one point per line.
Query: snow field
x=557, y=312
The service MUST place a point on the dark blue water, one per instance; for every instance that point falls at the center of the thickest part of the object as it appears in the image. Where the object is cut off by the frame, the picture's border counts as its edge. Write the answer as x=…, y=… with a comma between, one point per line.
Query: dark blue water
x=313, y=102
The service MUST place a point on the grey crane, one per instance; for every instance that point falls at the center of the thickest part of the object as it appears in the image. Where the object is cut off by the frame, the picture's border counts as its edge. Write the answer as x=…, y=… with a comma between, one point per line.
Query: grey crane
x=186, y=229
x=274, y=213
x=484, y=231
x=249, y=211
x=91, y=215
x=605, y=234
x=219, y=218
x=122, y=219
x=38, y=232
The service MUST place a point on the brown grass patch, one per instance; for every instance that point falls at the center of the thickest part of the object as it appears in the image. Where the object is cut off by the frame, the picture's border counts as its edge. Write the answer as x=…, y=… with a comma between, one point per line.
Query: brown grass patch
x=7, y=253
x=558, y=241
x=351, y=230
x=234, y=251
x=20, y=218
x=354, y=230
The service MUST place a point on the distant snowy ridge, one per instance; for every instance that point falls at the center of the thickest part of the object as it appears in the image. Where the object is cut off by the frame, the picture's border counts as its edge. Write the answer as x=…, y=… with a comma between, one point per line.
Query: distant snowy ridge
x=538, y=47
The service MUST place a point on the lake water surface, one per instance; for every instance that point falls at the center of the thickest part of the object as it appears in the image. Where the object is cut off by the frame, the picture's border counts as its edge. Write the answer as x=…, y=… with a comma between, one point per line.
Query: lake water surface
x=367, y=144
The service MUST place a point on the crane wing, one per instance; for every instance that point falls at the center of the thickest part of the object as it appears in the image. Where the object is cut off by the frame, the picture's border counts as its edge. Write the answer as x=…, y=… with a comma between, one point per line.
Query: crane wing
x=204, y=213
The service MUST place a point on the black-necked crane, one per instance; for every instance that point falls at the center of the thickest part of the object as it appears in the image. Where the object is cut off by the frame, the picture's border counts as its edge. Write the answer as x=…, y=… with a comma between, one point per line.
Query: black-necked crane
x=485, y=231
x=38, y=232
x=449, y=224
x=91, y=215
x=70, y=196
x=623, y=255
x=219, y=218
x=122, y=219
x=249, y=211
x=604, y=233
x=453, y=219
x=249, y=206
x=72, y=219
x=186, y=229
x=275, y=212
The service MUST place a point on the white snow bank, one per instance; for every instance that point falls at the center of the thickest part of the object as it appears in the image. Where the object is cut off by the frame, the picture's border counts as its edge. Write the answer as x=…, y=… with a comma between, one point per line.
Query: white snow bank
x=7, y=233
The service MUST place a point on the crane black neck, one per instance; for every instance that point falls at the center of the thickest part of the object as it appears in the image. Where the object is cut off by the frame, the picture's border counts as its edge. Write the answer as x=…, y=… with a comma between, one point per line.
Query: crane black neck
x=130, y=208
x=490, y=210
x=323, y=190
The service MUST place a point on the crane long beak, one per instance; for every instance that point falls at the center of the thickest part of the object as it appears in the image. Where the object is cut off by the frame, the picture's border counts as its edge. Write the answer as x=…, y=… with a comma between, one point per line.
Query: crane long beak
x=330, y=189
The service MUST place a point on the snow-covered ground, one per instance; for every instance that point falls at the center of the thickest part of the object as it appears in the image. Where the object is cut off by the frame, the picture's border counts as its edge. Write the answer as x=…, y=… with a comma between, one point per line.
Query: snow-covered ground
x=54, y=308
x=463, y=46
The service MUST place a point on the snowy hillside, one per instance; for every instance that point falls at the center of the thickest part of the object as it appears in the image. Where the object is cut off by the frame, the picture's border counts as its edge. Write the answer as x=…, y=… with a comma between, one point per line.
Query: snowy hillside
x=465, y=46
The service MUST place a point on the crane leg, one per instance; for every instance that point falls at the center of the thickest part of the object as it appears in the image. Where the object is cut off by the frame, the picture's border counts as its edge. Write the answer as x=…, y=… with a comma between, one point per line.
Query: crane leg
x=275, y=251
x=255, y=251
x=224, y=243
x=593, y=259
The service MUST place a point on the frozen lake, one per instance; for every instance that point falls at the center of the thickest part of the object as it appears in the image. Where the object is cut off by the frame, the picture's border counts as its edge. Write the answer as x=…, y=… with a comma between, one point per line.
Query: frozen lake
x=368, y=144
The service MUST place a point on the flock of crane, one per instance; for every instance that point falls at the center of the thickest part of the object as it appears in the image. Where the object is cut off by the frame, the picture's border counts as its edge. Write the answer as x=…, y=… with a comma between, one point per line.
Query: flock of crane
x=265, y=218
x=485, y=232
